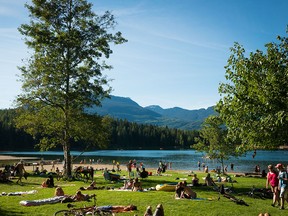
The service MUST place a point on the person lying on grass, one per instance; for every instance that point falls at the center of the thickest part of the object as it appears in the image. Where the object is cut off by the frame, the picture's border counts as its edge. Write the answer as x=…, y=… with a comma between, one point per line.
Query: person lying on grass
x=92, y=186
x=117, y=209
x=78, y=197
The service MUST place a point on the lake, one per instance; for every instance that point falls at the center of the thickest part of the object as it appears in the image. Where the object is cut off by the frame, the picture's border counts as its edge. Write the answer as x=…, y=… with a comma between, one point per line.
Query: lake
x=180, y=159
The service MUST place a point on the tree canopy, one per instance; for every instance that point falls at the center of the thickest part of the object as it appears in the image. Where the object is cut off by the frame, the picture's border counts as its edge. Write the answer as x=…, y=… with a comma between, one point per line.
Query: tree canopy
x=254, y=103
x=214, y=141
x=64, y=72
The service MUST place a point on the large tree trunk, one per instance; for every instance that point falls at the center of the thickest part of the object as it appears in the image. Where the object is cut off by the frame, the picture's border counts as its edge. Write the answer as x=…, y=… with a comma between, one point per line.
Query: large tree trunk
x=67, y=160
x=222, y=165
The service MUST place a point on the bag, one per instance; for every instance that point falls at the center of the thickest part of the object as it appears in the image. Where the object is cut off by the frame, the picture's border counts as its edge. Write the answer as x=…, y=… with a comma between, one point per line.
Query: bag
x=285, y=175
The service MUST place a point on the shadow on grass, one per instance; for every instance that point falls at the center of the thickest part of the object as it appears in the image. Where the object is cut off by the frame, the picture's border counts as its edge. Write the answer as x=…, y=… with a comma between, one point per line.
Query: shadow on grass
x=9, y=213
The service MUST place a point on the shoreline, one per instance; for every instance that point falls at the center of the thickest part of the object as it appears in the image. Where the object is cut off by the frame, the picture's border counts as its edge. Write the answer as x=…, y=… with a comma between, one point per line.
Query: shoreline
x=96, y=166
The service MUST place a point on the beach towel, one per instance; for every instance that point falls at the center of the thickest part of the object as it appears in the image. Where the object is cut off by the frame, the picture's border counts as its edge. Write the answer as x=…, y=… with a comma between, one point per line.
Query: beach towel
x=19, y=193
x=195, y=199
x=52, y=200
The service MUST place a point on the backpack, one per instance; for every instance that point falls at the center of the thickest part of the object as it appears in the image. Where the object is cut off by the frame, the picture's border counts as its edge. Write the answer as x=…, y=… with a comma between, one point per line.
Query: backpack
x=285, y=175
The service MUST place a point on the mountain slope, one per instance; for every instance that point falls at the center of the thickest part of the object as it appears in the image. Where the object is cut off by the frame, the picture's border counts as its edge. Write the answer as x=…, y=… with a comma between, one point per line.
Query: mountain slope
x=183, y=114
x=125, y=108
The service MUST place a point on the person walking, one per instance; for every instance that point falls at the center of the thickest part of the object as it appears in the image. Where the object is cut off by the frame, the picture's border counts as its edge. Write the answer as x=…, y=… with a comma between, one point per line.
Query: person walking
x=20, y=171
x=272, y=180
x=283, y=180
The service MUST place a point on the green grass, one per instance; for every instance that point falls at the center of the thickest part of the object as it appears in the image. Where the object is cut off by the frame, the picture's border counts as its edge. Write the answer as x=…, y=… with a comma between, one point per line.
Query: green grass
x=9, y=205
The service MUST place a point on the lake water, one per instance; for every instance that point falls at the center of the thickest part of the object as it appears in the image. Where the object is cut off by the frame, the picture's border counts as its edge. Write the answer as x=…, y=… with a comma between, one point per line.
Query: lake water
x=180, y=159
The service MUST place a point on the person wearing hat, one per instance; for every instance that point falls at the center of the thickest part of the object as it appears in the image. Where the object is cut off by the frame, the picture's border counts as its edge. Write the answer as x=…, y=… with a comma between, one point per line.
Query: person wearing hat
x=283, y=180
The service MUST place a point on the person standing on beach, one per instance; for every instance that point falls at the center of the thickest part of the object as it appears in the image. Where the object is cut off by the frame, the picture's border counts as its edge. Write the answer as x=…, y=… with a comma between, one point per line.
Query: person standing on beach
x=129, y=168
x=20, y=170
x=53, y=165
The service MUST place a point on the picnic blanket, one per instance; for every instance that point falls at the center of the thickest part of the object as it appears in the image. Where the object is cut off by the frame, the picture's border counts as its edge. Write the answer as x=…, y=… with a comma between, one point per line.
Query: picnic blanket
x=19, y=193
x=52, y=200
x=195, y=199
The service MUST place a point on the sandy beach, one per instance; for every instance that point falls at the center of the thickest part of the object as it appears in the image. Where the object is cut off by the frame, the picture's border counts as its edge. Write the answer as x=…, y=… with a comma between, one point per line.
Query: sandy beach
x=32, y=162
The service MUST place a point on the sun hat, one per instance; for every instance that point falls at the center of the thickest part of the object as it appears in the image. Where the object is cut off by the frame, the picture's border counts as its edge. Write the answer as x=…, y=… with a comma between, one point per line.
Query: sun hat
x=279, y=165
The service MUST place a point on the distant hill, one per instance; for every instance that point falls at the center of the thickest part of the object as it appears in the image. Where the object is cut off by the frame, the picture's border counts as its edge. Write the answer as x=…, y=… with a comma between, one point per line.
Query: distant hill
x=125, y=108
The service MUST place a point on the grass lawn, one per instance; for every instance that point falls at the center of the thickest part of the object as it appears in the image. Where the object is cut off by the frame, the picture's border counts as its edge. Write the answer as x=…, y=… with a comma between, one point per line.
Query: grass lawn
x=9, y=205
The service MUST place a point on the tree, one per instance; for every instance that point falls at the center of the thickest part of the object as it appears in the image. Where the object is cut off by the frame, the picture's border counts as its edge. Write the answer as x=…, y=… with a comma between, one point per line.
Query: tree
x=214, y=141
x=254, y=103
x=63, y=75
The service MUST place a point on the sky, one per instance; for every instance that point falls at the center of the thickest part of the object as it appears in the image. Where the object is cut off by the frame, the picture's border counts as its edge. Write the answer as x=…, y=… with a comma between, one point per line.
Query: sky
x=176, y=50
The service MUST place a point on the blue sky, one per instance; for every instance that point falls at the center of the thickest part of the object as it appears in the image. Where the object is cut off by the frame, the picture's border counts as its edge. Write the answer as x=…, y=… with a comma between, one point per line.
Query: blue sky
x=176, y=50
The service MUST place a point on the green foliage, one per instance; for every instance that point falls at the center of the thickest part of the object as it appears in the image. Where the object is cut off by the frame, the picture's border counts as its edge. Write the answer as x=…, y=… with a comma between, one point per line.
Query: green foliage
x=214, y=141
x=12, y=138
x=127, y=135
x=96, y=132
x=64, y=72
x=254, y=101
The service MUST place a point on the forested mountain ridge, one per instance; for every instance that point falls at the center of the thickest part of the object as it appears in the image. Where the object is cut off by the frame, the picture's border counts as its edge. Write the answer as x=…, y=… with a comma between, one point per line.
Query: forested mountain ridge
x=125, y=108
x=122, y=135
x=133, y=127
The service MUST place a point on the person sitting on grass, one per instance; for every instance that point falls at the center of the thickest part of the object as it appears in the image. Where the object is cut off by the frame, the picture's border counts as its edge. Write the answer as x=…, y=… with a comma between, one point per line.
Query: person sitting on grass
x=178, y=190
x=59, y=192
x=128, y=184
x=187, y=192
x=49, y=182
x=195, y=180
x=209, y=181
x=137, y=185
x=159, y=210
x=148, y=211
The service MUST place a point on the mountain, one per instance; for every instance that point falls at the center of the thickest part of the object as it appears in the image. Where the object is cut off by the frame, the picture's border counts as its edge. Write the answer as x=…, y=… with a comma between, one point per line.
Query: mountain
x=125, y=108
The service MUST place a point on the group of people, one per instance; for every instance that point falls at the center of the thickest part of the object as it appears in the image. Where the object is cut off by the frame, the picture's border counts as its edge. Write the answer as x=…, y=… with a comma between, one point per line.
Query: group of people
x=208, y=181
x=132, y=184
x=278, y=180
x=184, y=191
x=79, y=196
x=135, y=170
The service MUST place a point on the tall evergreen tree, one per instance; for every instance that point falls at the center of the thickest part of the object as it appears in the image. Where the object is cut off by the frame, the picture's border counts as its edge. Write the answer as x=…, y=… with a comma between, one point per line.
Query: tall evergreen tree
x=64, y=72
